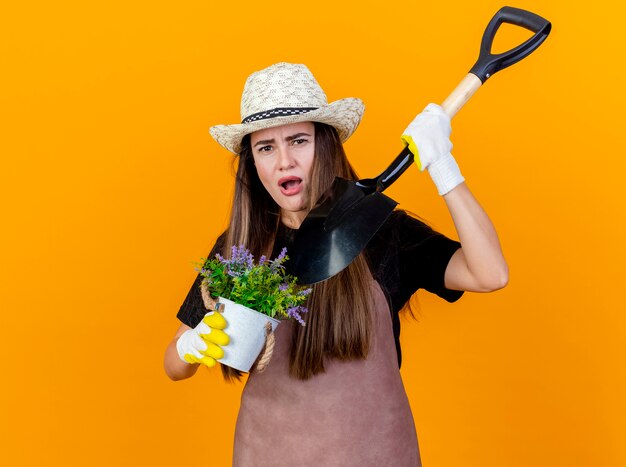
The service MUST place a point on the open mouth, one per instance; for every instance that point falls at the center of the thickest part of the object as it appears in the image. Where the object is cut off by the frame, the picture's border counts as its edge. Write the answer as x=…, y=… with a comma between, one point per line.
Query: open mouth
x=290, y=186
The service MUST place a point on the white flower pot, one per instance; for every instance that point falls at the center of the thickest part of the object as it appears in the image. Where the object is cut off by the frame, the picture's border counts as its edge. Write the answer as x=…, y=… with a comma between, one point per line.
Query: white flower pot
x=246, y=329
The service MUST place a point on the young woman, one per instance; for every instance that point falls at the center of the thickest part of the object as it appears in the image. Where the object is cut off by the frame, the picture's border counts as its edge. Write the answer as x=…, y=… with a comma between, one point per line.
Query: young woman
x=332, y=393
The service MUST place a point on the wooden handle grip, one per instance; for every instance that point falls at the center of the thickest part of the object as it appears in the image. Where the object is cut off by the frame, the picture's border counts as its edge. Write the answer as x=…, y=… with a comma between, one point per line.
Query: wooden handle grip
x=461, y=94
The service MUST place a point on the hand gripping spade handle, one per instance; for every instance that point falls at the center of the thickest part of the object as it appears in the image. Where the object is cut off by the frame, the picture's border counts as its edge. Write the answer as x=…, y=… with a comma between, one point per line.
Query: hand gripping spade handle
x=486, y=66
x=350, y=213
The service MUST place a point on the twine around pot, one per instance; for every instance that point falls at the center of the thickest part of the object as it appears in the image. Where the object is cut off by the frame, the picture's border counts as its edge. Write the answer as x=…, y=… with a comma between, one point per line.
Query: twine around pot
x=266, y=354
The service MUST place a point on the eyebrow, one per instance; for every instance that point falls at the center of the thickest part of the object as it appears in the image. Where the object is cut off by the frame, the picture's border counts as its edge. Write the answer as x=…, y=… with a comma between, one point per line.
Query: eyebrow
x=288, y=138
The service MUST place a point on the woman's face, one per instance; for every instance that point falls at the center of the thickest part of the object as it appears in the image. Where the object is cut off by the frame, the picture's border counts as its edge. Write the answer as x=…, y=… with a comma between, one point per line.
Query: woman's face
x=284, y=158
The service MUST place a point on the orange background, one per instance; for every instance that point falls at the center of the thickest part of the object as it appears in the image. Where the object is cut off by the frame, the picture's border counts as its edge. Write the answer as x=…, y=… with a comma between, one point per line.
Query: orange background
x=112, y=187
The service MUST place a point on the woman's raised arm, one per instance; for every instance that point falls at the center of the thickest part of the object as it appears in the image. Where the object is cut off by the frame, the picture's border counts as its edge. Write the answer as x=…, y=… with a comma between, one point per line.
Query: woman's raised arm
x=479, y=265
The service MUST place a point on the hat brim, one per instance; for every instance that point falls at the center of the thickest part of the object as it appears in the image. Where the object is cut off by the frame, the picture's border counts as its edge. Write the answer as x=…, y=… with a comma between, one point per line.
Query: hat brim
x=343, y=114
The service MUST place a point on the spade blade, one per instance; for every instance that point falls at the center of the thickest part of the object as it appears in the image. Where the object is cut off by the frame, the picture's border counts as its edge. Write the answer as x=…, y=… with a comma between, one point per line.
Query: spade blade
x=343, y=222
x=334, y=233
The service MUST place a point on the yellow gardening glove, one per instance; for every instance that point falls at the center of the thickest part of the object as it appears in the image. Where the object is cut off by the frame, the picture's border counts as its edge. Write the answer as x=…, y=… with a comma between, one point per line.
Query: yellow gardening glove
x=202, y=344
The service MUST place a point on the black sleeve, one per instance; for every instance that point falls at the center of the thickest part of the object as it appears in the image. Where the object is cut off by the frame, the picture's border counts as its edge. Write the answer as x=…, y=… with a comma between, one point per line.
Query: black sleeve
x=409, y=255
x=424, y=257
x=192, y=310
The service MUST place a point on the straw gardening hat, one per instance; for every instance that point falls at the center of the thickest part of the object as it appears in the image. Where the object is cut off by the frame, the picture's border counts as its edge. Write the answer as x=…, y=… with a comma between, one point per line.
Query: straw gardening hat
x=287, y=93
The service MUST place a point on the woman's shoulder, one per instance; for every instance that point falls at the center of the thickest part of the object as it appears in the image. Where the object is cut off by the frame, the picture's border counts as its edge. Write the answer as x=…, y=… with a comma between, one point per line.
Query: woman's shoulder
x=403, y=239
x=402, y=225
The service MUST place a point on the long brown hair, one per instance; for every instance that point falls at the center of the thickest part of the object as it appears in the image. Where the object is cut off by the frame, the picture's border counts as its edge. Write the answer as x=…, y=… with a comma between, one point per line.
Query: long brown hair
x=338, y=324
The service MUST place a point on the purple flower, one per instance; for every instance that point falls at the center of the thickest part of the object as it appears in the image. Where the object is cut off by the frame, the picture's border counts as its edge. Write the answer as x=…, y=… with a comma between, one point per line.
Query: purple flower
x=277, y=263
x=242, y=257
x=305, y=292
x=282, y=287
x=282, y=255
x=232, y=273
x=295, y=311
x=262, y=260
x=241, y=260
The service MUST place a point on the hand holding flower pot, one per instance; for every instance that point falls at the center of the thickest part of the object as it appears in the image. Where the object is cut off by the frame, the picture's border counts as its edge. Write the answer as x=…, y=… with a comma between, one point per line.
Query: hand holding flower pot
x=202, y=344
x=252, y=297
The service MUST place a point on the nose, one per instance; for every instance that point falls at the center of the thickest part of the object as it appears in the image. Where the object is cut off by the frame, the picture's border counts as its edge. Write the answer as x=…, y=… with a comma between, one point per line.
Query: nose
x=285, y=159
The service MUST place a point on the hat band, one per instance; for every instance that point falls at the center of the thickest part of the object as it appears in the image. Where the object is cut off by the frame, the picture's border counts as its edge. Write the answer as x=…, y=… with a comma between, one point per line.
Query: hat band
x=277, y=112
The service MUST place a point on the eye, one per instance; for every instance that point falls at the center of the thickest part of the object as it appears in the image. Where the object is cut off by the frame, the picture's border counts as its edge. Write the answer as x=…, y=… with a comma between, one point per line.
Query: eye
x=299, y=141
x=264, y=148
